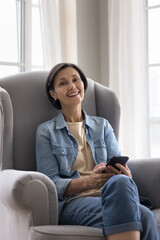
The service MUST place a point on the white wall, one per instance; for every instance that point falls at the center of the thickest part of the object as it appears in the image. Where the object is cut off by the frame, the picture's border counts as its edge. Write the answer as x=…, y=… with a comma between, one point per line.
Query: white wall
x=92, y=43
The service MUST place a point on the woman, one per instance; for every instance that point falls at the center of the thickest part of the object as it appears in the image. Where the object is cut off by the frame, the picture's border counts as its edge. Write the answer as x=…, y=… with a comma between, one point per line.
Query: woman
x=72, y=149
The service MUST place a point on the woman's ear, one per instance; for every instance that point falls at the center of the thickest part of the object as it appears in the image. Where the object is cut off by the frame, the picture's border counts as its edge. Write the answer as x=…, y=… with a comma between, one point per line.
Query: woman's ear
x=53, y=95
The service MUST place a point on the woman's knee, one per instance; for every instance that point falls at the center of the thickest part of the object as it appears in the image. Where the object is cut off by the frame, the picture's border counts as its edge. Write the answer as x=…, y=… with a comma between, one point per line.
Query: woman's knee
x=119, y=182
x=120, y=186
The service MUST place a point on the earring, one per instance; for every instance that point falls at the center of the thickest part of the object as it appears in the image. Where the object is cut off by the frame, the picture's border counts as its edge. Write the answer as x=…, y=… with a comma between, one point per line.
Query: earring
x=55, y=99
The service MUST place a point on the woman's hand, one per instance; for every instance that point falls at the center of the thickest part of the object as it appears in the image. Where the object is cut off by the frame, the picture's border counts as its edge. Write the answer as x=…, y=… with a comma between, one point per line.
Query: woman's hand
x=99, y=176
x=122, y=169
x=96, y=180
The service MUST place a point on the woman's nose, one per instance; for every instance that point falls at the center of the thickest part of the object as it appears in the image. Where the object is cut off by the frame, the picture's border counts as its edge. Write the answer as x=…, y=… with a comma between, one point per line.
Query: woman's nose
x=71, y=86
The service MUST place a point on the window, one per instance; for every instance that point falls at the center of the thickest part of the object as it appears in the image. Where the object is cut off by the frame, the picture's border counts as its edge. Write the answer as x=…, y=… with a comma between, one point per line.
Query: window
x=153, y=73
x=37, y=53
x=21, y=40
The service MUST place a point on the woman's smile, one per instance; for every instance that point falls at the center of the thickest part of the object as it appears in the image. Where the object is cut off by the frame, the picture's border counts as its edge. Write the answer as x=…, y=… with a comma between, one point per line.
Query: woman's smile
x=73, y=94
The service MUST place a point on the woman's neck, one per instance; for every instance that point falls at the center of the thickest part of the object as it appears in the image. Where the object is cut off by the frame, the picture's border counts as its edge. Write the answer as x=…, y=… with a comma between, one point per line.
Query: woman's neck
x=73, y=114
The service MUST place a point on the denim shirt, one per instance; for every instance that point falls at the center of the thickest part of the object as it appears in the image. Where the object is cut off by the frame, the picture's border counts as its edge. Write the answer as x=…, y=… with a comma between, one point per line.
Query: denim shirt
x=57, y=149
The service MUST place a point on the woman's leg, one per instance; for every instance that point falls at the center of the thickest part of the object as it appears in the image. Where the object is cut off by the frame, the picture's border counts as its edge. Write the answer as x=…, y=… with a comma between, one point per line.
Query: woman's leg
x=131, y=235
x=85, y=211
x=120, y=200
x=88, y=211
x=121, y=218
x=149, y=228
x=148, y=220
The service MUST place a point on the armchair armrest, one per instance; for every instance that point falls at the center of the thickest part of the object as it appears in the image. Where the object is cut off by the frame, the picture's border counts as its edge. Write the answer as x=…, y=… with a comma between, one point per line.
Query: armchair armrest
x=146, y=174
x=30, y=191
x=6, y=130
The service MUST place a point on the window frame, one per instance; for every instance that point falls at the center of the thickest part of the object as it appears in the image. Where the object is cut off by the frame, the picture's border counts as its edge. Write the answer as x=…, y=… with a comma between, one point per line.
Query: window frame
x=24, y=62
x=21, y=61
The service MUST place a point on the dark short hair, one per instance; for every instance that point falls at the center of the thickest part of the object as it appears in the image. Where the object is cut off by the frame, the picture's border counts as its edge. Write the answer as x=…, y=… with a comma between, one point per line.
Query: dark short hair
x=51, y=77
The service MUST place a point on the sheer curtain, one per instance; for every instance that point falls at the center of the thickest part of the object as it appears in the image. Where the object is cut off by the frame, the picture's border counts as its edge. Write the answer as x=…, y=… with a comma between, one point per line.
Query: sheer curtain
x=51, y=39
x=126, y=30
x=58, y=24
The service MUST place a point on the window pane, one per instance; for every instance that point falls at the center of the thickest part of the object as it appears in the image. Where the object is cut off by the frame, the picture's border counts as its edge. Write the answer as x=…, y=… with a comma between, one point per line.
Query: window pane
x=153, y=2
x=154, y=87
x=37, y=55
x=8, y=70
x=154, y=35
x=8, y=27
x=155, y=139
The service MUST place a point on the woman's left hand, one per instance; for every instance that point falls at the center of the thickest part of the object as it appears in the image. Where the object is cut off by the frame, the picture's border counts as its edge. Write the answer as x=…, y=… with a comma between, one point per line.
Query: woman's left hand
x=122, y=169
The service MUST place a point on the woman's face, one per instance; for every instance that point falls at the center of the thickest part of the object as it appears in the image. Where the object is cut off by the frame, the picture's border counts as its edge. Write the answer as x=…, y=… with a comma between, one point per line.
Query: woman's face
x=68, y=87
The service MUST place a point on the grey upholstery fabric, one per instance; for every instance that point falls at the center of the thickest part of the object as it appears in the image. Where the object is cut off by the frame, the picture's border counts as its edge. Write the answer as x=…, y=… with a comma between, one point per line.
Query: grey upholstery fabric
x=65, y=232
x=32, y=107
x=146, y=174
x=6, y=130
x=28, y=200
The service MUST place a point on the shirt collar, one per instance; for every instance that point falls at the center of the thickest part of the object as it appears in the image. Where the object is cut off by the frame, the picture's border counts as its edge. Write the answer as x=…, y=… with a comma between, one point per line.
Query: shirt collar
x=88, y=120
x=61, y=123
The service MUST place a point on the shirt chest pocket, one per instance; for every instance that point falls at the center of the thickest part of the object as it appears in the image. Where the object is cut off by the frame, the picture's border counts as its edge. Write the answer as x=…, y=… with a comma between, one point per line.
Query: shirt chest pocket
x=100, y=151
x=64, y=157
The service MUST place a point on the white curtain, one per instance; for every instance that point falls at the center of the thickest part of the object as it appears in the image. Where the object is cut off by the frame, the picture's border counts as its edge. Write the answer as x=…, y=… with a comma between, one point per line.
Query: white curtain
x=51, y=38
x=58, y=23
x=126, y=30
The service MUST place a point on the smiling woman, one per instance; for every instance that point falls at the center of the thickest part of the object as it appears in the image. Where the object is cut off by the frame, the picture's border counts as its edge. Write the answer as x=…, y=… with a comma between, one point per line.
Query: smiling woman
x=76, y=75
x=73, y=150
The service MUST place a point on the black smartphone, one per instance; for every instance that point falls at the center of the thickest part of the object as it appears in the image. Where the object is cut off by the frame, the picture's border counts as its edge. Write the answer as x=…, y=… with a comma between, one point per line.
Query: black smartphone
x=117, y=159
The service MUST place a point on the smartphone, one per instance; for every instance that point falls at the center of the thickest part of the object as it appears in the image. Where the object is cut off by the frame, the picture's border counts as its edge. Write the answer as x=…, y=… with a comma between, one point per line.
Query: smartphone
x=117, y=159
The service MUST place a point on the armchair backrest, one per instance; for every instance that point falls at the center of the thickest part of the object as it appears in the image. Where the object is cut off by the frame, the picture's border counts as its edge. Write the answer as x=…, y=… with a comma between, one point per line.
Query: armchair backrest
x=24, y=105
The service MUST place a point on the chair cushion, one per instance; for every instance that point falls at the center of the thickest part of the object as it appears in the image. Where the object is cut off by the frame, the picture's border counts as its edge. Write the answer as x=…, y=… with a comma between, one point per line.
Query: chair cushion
x=66, y=232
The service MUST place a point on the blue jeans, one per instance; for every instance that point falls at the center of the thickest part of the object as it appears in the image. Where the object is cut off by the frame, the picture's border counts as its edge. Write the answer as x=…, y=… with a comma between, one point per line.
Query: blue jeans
x=117, y=210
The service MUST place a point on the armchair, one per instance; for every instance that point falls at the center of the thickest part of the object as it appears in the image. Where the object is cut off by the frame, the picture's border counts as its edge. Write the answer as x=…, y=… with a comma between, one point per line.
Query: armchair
x=28, y=199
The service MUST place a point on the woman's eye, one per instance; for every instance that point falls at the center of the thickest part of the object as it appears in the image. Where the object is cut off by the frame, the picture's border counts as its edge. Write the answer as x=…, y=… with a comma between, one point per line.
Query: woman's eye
x=75, y=79
x=62, y=83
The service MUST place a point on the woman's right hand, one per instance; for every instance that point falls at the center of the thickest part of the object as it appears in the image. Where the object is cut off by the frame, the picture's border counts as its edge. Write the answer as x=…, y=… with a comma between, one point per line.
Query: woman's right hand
x=99, y=176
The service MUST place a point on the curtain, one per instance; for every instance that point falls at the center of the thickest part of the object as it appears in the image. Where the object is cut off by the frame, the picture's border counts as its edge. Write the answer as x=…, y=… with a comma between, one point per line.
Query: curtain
x=51, y=39
x=58, y=24
x=126, y=31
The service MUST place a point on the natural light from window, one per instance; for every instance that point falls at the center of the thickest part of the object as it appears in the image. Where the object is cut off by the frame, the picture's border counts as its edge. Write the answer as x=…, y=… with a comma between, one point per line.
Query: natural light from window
x=20, y=46
x=9, y=37
x=153, y=66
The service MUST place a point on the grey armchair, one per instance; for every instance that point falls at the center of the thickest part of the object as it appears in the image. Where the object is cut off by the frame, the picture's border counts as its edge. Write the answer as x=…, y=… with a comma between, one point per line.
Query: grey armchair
x=28, y=199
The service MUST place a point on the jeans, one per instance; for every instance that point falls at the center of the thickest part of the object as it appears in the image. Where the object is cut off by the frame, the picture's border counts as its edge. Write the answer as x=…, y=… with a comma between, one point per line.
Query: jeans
x=117, y=210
